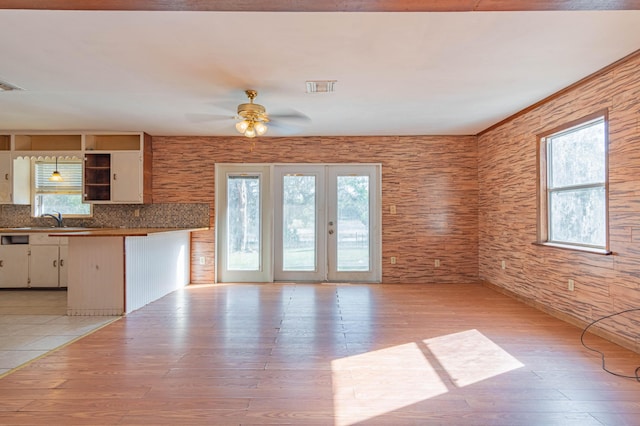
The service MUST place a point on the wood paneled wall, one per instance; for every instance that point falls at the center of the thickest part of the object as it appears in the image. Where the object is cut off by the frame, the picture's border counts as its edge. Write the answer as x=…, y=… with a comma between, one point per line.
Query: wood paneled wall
x=432, y=181
x=507, y=209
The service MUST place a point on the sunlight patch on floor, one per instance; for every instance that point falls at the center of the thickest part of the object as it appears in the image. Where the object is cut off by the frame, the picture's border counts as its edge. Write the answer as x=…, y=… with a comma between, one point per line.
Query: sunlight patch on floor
x=382, y=381
x=372, y=384
x=469, y=357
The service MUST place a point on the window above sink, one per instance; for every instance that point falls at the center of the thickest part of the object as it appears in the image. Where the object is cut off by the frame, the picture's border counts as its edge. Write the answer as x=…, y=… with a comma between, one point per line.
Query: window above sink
x=64, y=196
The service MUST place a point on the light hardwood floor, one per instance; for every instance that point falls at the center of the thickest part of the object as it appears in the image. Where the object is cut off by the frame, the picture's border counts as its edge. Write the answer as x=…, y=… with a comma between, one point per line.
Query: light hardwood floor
x=328, y=355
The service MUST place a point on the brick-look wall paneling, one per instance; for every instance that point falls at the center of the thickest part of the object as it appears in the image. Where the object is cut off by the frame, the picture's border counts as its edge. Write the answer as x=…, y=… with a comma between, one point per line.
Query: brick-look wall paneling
x=507, y=209
x=432, y=181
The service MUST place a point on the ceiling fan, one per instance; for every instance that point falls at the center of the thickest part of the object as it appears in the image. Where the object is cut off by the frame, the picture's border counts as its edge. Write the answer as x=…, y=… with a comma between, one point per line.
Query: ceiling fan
x=251, y=119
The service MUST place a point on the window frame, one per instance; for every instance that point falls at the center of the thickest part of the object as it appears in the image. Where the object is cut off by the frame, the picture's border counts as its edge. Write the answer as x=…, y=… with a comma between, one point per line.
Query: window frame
x=35, y=193
x=544, y=192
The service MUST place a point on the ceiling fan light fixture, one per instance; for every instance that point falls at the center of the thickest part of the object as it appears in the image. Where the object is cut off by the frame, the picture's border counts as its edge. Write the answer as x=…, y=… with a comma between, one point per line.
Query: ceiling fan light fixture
x=250, y=132
x=253, y=117
x=260, y=127
x=241, y=126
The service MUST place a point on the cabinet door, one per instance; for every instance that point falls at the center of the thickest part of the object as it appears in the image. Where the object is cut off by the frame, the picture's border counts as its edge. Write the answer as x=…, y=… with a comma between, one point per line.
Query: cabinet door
x=14, y=266
x=126, y=177
x=43, y=266
x=5, y=177
x=97, y=177
x=62, y=270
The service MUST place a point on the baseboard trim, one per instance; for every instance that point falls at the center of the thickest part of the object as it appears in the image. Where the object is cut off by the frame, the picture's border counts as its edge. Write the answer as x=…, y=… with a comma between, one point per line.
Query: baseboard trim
x=612, y=337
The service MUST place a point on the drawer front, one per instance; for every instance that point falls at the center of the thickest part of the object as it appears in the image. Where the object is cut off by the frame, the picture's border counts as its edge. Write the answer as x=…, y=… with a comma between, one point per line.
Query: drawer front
x=43, y=239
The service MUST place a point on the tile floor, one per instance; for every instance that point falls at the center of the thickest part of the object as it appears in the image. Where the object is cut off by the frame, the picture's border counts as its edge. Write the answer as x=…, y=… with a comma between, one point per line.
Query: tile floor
x=34, y=322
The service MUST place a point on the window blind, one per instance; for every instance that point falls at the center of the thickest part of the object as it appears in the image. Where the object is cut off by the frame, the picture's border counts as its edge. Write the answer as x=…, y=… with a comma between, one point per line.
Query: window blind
x=71, y=174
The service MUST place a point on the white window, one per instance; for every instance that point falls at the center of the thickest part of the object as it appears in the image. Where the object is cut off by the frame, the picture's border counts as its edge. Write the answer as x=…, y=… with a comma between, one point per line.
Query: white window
x=65, y=196
x=574, y=182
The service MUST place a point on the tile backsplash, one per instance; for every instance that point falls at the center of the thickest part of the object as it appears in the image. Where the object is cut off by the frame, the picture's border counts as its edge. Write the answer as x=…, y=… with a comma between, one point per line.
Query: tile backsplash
x=169, y=215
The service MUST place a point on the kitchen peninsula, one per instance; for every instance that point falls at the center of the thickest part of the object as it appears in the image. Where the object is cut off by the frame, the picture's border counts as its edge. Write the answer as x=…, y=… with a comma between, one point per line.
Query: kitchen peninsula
x=118, y=270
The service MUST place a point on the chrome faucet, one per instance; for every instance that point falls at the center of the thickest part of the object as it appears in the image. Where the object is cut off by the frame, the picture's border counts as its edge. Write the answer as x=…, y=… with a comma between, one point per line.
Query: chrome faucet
x=57, y=217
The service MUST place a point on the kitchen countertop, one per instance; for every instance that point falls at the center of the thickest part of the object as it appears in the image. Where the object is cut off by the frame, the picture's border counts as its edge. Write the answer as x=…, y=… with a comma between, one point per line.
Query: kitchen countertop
x=94, y=232
x=120, y=232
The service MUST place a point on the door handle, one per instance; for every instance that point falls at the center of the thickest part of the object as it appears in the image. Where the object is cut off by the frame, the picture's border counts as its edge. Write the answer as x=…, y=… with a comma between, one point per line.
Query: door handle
x=330, y=231
x=330, y=223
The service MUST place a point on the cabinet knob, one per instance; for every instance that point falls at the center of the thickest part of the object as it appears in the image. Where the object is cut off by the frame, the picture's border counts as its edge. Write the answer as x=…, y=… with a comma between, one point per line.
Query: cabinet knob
x=61, y=262
x=6, y=176
x=115, y=176
x=1, y=263
x=55, y=263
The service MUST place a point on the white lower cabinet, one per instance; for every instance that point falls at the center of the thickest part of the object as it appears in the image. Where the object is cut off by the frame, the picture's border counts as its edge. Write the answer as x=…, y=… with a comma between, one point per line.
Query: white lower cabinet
x=44, y=266
x=14, y=266
x=62, y=265
x=40, y=263
x=46, y=261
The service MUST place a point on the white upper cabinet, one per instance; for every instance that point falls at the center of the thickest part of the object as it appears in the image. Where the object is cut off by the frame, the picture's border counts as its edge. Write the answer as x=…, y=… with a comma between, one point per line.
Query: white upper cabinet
x=5, y=178
x=117, y=166
x=126, y=177
x=117, y=169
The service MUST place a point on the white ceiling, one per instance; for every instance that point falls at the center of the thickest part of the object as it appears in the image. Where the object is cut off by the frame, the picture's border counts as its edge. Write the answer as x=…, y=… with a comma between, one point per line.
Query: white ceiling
x=184, y=73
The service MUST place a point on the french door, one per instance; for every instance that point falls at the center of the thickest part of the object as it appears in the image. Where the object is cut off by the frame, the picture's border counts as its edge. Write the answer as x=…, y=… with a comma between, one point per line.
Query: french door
x=243, y=218
x=324, y=226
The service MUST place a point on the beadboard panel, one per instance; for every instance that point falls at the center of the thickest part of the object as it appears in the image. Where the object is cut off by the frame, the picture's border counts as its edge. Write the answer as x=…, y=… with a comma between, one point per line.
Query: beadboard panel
x=507, y=205
x=432, y=181
x=157, y=264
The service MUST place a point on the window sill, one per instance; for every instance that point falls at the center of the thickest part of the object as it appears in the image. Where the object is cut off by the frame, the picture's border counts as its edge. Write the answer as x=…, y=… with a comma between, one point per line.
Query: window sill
x=593, y=250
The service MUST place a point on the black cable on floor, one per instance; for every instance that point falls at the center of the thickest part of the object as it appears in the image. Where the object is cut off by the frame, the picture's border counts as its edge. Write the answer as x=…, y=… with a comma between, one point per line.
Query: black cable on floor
x=637, y=371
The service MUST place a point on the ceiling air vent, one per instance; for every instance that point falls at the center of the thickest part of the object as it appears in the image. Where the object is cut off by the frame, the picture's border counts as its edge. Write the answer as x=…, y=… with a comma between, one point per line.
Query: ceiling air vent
x=6, y=87
x=321, y=86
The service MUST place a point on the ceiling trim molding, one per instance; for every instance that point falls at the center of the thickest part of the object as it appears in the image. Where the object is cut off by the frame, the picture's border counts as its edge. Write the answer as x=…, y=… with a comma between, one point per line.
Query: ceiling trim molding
x=562, y=92
x=323, y=6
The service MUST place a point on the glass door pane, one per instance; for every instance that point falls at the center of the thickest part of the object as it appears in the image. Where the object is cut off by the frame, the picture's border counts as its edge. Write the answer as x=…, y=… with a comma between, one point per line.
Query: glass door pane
x=300, y=243
x=299, y=223
x=352, y=243
x=243, y=223
x=353, y=223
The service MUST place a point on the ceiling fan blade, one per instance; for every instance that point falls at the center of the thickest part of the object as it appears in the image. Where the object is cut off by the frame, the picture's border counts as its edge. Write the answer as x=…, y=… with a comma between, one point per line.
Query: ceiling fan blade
x=283, y=129
x=201, y=118
x=290, y=116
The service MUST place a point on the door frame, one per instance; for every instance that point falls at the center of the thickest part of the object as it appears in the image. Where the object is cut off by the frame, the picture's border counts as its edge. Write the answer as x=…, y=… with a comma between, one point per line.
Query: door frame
x=265, y=271
x=319, y=171
x=374, y=171
x=268, y=182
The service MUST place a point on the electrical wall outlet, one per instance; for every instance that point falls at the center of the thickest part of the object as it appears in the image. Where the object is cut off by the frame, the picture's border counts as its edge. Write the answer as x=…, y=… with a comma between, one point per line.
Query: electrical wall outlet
x=570, y=285
x=437, y=263
x=392, y=209
x=393, y=260
x=203, y=260
x=503, y=264
x=136, y=213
